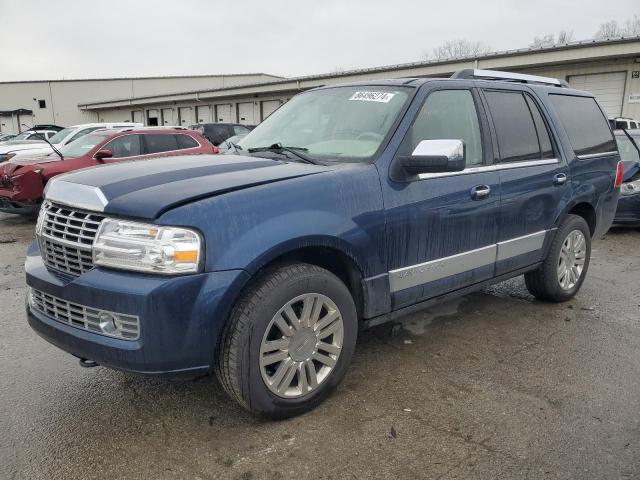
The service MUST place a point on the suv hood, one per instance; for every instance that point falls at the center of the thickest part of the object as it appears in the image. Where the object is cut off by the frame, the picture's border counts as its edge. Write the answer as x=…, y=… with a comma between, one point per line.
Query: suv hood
x=148, y=188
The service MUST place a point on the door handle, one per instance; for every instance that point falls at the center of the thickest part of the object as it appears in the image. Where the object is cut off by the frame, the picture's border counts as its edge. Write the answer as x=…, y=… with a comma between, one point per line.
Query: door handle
x=480, y=192
x=560, y=179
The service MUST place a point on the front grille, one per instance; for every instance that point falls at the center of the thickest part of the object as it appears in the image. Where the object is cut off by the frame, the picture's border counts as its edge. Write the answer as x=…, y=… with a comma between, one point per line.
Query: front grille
x=66, y=236
x=122, y=326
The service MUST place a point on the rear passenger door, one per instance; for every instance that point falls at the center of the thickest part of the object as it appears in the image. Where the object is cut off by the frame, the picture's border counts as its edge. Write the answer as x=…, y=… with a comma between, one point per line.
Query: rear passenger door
x=534, y=179
x=441, y=234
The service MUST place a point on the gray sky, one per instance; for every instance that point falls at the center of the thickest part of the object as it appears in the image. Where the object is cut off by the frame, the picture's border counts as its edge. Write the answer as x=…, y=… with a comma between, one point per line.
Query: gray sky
x=90, y=38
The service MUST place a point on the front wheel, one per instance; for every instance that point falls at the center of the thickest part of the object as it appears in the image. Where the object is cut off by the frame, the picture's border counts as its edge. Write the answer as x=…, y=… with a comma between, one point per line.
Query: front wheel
x=565, y=267
x=289, y=341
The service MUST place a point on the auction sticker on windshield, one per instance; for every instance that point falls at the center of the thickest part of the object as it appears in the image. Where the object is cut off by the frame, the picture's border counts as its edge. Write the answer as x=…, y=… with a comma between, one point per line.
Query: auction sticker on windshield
x=383, y=97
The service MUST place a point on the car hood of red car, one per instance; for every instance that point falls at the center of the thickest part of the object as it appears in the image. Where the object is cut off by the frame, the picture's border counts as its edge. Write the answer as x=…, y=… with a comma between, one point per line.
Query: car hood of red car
x=16, y=164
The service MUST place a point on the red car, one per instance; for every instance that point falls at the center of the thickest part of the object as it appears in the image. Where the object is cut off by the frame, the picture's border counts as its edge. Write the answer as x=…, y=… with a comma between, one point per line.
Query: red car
x=22, y=181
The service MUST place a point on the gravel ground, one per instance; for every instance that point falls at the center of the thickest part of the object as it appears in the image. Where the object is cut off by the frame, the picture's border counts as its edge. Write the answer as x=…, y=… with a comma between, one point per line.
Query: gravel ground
x=494, y=385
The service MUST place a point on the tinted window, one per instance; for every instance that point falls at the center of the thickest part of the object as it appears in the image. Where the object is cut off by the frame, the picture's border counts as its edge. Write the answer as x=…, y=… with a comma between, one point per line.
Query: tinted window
x=238, y=130
x=125, y=146
x=160, y=142
x=447, y=114
x=544, y=139
x=185, y=141
x=586, y=126
x=515, y=128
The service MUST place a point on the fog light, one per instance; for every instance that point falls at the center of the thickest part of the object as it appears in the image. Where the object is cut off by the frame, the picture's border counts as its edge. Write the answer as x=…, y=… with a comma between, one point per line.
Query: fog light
x=108, y=323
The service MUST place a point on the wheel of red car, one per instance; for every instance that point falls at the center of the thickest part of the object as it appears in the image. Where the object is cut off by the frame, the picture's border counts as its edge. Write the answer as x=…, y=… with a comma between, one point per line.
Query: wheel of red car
x=289, y=341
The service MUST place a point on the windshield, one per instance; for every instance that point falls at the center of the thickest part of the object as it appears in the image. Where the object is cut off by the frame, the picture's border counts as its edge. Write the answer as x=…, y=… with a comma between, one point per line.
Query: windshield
x=344, y=124
x=61, y=135
x=628, y=152
x=81, y=146
x=25, y=136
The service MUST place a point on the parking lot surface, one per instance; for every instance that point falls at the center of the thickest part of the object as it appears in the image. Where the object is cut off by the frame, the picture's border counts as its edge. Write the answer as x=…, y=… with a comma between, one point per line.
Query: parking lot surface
x=495, y=385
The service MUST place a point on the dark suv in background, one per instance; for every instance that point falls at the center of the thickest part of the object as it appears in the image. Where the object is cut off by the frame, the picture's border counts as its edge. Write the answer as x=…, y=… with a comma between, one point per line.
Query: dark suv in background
x=217, y=133
x=349, y=206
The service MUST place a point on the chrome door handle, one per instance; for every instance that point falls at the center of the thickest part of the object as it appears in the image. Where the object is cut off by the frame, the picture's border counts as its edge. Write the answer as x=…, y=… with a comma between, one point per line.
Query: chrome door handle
x=560, y=179
x=480, y=192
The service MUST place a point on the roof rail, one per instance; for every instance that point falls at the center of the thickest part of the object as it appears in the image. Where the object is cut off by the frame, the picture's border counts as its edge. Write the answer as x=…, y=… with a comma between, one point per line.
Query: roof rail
x=508, y=77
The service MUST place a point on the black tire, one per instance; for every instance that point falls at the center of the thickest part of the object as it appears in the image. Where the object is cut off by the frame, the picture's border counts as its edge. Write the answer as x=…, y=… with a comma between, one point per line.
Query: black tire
x=543, y=283
x=238, y=367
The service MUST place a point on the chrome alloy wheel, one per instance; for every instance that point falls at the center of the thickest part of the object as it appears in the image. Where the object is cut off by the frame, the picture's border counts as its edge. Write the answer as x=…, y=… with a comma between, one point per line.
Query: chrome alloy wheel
x=572, y=257
x=301, y=345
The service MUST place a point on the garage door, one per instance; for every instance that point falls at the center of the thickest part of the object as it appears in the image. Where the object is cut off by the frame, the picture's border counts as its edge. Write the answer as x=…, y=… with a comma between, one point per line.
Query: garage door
x=268, y=107
x=136, y=116
x=186, y=116
x=223, y=113
x=167, y=117
x=245, y=114
x=204, y=114
x=608, y=89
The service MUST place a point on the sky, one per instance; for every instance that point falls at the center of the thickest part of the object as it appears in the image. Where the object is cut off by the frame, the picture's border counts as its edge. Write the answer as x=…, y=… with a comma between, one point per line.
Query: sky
x=132, y=38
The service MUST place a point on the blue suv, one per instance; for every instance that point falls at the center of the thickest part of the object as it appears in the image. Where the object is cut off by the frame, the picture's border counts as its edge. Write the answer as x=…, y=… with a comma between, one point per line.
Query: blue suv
x=349, y=206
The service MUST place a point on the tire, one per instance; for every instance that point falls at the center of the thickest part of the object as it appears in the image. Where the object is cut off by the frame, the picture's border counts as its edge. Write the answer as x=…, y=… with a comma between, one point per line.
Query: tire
x=255, y=325
x=546, y=283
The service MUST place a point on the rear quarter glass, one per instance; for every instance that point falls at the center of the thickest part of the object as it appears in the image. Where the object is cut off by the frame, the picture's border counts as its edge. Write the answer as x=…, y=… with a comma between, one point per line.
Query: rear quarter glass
x=585, y=124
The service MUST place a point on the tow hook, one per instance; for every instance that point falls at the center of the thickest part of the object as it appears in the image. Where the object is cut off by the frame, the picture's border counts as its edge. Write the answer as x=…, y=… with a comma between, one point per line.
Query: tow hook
x=87, y=363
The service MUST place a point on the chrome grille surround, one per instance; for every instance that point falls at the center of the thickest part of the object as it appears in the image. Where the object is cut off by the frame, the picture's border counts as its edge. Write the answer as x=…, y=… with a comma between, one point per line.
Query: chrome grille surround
x=83, y=317
x=65, y=236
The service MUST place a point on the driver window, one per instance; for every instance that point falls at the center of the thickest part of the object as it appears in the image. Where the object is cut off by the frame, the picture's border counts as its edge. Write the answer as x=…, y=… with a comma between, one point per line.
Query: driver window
x=451, y=115
x=125, y=146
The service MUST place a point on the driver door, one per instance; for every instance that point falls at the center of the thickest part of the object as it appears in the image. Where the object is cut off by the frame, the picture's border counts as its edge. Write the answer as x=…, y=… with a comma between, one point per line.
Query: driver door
x=441, y=235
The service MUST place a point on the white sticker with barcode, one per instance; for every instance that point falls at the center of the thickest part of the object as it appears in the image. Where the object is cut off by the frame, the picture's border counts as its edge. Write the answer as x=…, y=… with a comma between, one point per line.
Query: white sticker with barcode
x=382, y=97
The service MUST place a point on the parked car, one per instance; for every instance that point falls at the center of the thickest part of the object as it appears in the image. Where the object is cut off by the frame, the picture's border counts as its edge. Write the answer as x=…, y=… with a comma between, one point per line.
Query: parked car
x=628, y=212
x=4, y=137
x=349, y=206
x=217, y=133
x=30, y=139
x=627, y=123
x=36, y=146
x=22, y=180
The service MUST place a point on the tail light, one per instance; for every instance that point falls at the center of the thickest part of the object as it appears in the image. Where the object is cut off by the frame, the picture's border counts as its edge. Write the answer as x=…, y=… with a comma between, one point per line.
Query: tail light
x=619, y=174
x=216, y=150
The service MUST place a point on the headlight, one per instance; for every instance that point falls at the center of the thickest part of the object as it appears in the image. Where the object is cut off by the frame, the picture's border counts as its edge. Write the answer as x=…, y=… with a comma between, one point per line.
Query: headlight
x=6, y=156
x=147, y=248
x=630, y=188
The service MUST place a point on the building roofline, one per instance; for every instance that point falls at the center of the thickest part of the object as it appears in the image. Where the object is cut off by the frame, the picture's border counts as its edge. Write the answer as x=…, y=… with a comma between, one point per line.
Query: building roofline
x=386, y=68
x=156, y=77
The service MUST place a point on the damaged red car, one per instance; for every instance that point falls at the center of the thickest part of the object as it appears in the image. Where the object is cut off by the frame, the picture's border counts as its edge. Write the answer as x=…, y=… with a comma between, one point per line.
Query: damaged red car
x=22, y=181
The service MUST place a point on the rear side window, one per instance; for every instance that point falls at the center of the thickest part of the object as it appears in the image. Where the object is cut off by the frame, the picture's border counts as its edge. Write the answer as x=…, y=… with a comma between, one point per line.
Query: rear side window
x=586, y=126
x=185, y=141
x=513, y=118
x=159, y=142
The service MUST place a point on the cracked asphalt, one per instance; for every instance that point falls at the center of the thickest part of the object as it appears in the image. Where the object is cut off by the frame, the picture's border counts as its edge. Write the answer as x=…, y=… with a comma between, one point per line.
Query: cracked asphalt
x=493, y=386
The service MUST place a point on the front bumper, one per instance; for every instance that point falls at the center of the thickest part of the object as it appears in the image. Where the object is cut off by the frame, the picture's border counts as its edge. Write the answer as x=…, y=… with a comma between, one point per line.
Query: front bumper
x=628, y=212
x=180, y=317
x=7, y=205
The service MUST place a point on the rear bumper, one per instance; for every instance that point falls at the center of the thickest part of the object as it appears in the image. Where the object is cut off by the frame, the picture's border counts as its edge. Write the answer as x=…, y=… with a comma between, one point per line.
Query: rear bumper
x=628, y=212
x=180, y=317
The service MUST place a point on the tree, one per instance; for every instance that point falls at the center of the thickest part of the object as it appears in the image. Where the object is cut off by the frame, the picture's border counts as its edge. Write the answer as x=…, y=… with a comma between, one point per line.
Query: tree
x=457, y=49
x=548, y=41
x=613, y=29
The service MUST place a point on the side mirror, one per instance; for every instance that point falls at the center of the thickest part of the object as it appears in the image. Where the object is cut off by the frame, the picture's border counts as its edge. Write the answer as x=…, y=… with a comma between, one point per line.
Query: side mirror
x=434, y=156
x=102, y=154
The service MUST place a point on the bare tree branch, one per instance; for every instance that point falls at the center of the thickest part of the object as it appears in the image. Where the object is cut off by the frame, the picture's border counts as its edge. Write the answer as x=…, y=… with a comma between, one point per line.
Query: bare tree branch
x=547, y=41
x=457, y=49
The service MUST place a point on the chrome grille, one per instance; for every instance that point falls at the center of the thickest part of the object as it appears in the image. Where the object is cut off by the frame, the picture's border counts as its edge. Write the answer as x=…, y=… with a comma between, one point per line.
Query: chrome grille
x=83, y=317
x=66, y=236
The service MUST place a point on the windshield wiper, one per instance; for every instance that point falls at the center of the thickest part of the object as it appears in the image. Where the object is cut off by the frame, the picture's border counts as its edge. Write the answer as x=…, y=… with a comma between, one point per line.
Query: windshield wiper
x=278, y=148
x=43, y=137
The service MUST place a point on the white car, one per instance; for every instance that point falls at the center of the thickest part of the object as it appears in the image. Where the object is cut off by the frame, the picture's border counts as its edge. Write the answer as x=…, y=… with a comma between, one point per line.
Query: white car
x=39, y=147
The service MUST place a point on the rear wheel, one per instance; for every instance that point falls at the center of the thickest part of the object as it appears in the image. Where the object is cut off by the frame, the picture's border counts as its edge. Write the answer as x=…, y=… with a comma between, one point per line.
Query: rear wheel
x=563, y=271
x=289, y=341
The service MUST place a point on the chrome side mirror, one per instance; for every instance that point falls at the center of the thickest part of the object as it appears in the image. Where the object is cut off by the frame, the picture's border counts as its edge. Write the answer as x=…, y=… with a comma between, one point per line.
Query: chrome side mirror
x=435, y=156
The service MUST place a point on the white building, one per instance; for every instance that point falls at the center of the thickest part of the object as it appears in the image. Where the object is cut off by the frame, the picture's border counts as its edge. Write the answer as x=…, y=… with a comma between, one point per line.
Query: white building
x=609, y=68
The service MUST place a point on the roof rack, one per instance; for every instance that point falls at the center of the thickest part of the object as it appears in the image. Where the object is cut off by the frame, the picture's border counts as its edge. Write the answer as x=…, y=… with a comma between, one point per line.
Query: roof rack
x=509, y=77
